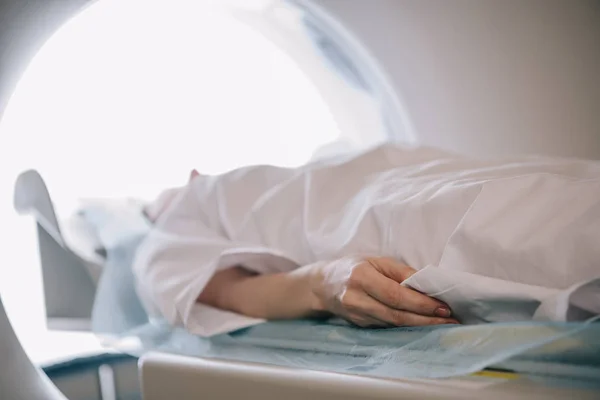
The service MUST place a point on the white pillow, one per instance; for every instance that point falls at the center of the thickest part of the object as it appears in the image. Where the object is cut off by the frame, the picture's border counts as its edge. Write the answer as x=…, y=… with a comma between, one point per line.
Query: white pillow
x=97, y=224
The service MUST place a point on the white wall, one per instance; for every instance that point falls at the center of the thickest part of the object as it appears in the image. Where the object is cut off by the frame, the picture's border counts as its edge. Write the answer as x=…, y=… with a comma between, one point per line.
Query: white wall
x=490, y=76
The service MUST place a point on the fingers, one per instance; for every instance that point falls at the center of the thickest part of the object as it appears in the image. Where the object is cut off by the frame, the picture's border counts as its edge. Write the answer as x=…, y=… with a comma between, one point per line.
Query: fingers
x=376, y=314
x=406, y=318
x=366, y=321
x=354, y=309
x=391, y=294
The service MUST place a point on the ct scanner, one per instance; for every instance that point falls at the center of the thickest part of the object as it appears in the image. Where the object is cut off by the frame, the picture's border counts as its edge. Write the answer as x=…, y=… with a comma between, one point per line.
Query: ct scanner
x=480, y=77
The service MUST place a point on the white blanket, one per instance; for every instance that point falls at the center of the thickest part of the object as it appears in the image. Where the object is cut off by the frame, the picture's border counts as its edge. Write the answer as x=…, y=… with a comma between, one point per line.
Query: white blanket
x=531, y=221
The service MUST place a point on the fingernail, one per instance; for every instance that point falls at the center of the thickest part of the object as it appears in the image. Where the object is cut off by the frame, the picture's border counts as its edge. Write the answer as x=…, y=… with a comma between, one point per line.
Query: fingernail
x=442, y=312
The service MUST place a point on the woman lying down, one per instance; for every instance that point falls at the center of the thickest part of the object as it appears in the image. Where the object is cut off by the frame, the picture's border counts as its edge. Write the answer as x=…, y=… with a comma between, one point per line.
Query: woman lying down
x=387, y=237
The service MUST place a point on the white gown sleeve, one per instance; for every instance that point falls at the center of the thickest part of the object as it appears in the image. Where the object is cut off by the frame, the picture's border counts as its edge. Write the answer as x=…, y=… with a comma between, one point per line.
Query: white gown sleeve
x=182, y=253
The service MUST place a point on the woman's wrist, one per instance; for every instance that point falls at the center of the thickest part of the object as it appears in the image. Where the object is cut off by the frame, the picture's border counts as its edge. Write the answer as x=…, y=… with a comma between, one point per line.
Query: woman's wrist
x=311, y=277
x=271, y=296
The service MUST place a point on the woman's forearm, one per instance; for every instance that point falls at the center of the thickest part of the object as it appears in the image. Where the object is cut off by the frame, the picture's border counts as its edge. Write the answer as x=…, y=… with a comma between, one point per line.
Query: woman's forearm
x=271, y=296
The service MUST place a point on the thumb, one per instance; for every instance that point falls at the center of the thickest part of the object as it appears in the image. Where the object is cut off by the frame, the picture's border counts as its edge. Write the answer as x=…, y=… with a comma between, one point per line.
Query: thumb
x=395, y=270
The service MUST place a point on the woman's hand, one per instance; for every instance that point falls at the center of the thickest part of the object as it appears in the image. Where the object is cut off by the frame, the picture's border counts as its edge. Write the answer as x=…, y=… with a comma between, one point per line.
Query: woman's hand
x=367, y=292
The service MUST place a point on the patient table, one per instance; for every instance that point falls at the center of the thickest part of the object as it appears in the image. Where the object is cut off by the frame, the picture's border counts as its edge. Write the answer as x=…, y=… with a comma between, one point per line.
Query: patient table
x=165, y=376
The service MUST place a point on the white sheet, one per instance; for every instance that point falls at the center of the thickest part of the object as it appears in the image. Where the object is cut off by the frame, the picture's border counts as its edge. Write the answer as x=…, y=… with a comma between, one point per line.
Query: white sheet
x=532, y=221
x=478, y=299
